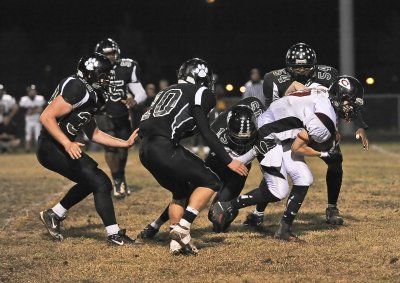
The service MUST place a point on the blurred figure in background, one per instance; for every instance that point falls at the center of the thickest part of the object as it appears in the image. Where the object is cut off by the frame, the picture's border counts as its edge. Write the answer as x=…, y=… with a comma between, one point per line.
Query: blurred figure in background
x=163, y=84
x=33, y=104
x=118, y=119
x=8, y=109
x=151, y=94
x=254, y=87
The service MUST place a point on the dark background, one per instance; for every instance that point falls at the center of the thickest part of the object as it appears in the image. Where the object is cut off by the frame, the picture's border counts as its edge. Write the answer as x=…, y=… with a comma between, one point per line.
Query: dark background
x=41, y=41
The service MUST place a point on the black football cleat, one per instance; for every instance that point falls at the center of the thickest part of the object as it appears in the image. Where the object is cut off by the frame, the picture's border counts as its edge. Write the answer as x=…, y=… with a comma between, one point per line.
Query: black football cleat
x=119, y=189
x=52, y=222
x=284, y=233
x=147, y=233
x=121, y=239
x=333, y=216
x=222, y=215
x=253, y=220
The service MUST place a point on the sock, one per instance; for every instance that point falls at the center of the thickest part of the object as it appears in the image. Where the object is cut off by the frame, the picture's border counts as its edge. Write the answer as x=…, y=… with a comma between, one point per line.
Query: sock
x=112, y=229
x=259, y=195
x=59, y=210
x=331, y=205
x=156, y=224
x=294, y=203
x=189, y=216
x=334, y=177
x=258, y=213
x=119, y=175
x=164, y=216
x=260, y=207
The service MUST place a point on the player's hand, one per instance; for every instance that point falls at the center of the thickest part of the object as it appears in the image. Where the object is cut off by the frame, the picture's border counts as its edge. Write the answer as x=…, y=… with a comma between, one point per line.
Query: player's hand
x=133, y=137
x=74, y=149
x=129, y=101
x=238, y=167
x=361, y=133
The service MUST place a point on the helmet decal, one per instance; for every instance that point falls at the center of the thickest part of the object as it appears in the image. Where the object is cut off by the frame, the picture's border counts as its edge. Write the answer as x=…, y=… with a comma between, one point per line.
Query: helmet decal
x=201, y=70
x=344, y=82
x=91, y=63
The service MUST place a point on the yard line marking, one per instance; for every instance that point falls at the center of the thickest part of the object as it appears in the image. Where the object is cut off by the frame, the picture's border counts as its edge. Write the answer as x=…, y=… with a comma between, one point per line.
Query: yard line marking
x=384, y=151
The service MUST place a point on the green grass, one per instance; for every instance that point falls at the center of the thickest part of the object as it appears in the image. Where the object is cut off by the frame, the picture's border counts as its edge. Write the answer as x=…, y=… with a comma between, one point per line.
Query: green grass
x=365, y=249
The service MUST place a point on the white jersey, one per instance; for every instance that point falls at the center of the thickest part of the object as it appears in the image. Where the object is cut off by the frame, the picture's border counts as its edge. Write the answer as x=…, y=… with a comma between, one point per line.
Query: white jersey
x=309, y=109
x=6, y=104
x=31, y=103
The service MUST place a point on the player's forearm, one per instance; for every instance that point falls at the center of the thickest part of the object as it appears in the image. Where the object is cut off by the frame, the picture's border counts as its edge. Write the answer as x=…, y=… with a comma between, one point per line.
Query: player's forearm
x=105, y=139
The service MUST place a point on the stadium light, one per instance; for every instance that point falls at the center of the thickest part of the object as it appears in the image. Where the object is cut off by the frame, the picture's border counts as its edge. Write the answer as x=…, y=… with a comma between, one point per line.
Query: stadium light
x=242, y=89
x=370, y=81
x=210, y=1
x=229, y=87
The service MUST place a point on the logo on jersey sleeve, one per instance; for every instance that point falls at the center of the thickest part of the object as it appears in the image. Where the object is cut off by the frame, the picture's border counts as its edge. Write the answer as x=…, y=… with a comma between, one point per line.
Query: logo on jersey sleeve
x=201, y=70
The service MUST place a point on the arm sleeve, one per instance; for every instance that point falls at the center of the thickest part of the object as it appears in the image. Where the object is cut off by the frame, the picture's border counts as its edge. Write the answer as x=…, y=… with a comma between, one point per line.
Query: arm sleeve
x=317, y=130
x=209, y=136
x=135, y=86
x=74, y=93
x=269, y=89
x=359, y=122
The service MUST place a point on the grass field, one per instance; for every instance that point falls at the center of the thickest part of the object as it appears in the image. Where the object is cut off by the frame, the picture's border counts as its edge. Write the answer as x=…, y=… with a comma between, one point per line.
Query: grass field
x=365, y=249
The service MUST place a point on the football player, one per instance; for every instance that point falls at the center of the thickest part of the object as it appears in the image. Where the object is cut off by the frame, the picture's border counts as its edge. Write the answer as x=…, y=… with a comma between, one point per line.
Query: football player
x=70, y=111
x=302, y=69
x=125, y=92
x=33, y=104
x=236, y=130
x=175, y=113
x=309, y=117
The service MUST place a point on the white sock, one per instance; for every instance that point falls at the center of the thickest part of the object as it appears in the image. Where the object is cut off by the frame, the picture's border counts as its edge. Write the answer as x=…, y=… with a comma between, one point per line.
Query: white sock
x=258, y=213
x=185, y=223
x=59, y=210
x=112, y=229
x=156, y=224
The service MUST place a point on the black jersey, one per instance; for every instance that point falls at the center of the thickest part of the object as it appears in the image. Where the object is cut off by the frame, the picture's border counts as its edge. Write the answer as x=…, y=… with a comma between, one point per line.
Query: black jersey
x=220, y=126
x=277, y=82
x=126, y=71
x=171, y=113
x=85, y=103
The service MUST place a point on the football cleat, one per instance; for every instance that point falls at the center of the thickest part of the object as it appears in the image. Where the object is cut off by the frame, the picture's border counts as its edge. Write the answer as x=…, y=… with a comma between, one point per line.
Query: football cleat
x=119, y=189
x=222, y=215
x=121, y=239
x=182, y=236
x=253, y=220
x=52, y=222
x=333, y=216
x=148, y=232
x=284, y=233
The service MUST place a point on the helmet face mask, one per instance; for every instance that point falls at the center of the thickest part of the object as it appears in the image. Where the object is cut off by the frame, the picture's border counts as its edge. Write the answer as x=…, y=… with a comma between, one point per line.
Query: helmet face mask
x=196, y=71
x=346, y=95
x=300, y=62
x=242, y=130
x=96, y=69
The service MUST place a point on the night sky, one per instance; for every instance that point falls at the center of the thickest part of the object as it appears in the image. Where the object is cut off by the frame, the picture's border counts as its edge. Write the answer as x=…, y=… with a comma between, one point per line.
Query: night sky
x=41, y=41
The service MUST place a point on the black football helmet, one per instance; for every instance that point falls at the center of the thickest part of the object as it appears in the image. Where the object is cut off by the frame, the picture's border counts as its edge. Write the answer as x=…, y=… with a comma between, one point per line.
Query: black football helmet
x=95, y=69
x=107, y=46
x=300, y=62
x=242, y=130
x=196, y=71
x=346, y=94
